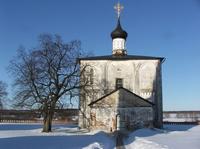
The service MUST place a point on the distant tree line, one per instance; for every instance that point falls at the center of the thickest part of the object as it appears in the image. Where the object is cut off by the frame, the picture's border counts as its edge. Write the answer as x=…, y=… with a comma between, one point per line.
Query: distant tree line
x=35, y=115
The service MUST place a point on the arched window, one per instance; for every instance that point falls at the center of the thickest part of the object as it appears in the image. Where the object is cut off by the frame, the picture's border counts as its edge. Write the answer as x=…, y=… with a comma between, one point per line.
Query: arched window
x=91, y=76
x=119, y=83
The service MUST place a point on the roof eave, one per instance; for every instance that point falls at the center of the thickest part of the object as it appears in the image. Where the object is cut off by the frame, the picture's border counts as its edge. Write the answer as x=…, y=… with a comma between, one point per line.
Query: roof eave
x=117, y=90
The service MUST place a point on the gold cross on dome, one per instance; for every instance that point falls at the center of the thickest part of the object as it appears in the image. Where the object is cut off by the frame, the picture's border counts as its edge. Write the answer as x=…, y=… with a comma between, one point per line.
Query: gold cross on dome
x=118, y=7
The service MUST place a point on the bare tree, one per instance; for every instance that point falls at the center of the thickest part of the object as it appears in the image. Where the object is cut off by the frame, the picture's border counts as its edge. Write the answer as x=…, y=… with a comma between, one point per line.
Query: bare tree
x=47, y=73
x=3, y=93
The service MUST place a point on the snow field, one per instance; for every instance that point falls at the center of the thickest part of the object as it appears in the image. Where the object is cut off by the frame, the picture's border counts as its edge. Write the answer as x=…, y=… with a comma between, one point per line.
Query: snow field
x=29, y=136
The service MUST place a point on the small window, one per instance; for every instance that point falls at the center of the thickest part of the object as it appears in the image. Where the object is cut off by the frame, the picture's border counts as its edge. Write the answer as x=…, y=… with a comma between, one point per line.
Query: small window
x=91, y=76
x=119, y=83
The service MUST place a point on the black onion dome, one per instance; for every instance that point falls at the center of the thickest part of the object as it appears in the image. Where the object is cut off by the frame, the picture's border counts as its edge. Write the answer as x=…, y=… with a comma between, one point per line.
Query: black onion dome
x=119, y=32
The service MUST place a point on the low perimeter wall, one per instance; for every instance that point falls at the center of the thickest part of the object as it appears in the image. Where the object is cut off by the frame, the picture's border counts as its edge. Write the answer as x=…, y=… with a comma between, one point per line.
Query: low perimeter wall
x=181, y=117
x=34, y=116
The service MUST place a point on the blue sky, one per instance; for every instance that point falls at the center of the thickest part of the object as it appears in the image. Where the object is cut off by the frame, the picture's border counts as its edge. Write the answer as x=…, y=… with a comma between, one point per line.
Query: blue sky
x=167, y=28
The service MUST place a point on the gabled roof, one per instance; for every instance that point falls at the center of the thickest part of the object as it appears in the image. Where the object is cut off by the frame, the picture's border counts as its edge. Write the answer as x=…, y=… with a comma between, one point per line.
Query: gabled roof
x=125, y=57
x=121, y=88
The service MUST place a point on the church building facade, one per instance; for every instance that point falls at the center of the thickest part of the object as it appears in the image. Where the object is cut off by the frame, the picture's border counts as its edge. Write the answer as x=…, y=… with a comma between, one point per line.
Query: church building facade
x=124, y=92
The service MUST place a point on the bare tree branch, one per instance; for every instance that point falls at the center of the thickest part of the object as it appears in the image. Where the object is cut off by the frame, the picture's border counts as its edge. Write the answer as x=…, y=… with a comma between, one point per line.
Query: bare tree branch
x=3, y=93
x=46, y=74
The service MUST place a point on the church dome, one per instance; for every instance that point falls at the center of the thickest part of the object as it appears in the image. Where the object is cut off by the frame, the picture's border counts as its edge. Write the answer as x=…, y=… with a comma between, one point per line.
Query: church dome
x=119, y=32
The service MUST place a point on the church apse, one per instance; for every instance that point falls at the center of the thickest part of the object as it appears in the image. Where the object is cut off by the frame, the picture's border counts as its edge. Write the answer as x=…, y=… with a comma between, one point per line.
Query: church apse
x=121, y=110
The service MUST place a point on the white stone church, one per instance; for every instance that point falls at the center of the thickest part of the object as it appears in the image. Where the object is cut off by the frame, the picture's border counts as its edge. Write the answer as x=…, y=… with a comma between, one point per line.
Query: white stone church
x=125, y=91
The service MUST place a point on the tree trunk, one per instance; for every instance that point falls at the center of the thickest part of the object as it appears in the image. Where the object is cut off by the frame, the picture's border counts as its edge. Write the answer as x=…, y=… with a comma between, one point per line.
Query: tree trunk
x=47, y=122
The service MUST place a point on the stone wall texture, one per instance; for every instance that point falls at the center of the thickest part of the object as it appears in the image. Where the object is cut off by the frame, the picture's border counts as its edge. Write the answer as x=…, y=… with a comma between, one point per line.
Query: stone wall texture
x=142, y=77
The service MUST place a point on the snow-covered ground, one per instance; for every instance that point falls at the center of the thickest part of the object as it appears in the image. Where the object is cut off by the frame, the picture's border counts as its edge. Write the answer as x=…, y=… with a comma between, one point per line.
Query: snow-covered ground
x=172, y=137
x=29, y=136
